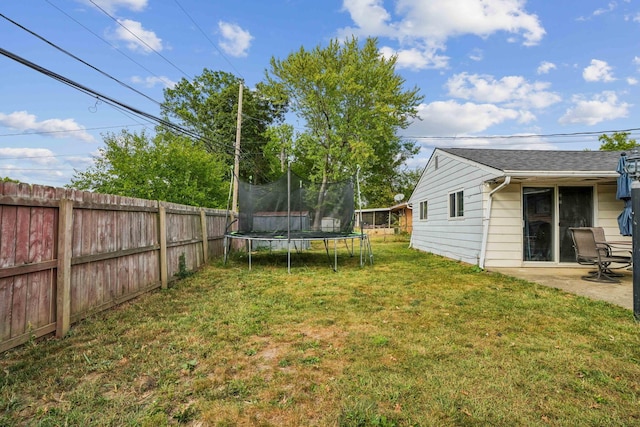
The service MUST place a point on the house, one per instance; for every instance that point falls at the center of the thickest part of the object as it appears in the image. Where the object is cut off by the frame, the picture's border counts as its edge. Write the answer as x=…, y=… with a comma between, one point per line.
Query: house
x=404, y=215
x=513, y=208
x=395, y=219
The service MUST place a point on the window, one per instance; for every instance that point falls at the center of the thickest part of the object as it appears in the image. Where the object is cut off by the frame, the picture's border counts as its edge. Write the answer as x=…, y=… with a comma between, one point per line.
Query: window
x=456, y=204
x=423, y=210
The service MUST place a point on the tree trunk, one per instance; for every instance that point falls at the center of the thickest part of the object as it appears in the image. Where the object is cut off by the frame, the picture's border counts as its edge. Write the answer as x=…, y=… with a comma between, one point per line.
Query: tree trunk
x=317, y=222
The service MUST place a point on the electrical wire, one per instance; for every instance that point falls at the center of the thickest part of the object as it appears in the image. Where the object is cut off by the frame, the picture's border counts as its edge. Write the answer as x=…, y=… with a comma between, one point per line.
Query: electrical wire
x=111, y=45
x=33, y=169
x=55, y=46
x=113, y=102
x=517, y=136
x=49, y=132
x=140, y=40
x=208, y=39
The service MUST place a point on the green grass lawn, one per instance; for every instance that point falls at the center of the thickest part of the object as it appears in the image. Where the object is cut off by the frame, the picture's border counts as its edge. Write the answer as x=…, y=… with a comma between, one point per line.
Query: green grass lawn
x=413, y=340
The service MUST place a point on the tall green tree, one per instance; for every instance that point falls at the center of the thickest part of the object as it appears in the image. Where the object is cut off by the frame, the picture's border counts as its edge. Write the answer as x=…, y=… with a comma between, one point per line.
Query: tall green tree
x=353, y=103
x=618, y=141
x=278, y=149
x=406, y=180
x=208, y=106
x=165, y=167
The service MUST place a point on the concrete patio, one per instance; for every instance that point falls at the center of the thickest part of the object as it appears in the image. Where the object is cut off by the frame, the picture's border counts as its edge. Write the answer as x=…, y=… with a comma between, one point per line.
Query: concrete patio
x=569, y=280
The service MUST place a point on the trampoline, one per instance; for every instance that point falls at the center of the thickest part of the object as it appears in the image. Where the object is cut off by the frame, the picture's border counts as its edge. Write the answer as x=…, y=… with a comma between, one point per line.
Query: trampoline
x=291, y=212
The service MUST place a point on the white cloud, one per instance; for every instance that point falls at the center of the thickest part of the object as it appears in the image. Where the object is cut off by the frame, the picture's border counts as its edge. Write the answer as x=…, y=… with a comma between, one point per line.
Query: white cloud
x=602, y=107
x=370, y=15
x=545, y=67
x=632, y=81
x=113, y=5
x=57, y=128
x=152, y=81
x=449, y=118
x=427, y=25
x=235, y=41
x=598, y=71
x=40, y=156
x=513, y=91
x=476, y=55
x=636, y=61
x=415, y=59
x=610, y=7
x=136, y=37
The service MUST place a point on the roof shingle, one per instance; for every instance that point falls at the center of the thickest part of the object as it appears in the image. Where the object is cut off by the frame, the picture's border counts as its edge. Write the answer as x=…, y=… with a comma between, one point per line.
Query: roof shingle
x=540, y=160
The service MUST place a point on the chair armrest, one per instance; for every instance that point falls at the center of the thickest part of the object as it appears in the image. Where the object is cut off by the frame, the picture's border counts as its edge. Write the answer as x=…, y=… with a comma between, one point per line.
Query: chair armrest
x=605, y=246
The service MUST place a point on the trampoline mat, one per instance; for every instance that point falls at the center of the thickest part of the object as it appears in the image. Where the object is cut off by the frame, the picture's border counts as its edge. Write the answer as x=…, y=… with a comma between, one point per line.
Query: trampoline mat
x=294, y=235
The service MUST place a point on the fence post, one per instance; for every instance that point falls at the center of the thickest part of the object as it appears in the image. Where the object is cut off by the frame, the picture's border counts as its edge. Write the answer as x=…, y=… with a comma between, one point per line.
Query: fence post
x=164, y=269
x=205, y=237
x=63, y=279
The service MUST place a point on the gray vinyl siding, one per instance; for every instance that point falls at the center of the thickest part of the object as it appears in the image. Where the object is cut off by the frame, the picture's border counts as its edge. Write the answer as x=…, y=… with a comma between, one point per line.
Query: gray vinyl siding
x=456, y=238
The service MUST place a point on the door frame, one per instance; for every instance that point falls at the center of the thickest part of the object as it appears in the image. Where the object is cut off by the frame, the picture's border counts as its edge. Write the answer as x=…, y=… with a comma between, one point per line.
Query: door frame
x=555, y=208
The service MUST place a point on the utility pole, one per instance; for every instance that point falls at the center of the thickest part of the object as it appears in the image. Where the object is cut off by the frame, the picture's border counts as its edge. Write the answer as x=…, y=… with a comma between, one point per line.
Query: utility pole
x=635, y=241
x=236, y=160
x=632, y=168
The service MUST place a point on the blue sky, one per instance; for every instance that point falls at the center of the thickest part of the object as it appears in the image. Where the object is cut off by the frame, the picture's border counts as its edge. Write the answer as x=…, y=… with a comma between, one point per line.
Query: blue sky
x=551, y=71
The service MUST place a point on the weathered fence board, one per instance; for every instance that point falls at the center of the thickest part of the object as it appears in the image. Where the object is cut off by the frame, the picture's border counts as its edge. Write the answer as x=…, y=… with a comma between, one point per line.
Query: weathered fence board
x=65, y=254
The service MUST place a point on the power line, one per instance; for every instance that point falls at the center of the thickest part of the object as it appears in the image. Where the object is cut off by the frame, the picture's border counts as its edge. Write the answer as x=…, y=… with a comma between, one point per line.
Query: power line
x=41, y=157
x=208, y=39
x=48, y=132
x=140, y=40
x=111, y=101
x=9, y=168
x=55, y=46
x=111, y=45
x=492, y=137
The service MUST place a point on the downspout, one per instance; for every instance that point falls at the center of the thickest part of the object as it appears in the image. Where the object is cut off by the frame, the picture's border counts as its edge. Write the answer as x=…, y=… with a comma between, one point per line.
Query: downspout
x=410, y=207
x=487, y=219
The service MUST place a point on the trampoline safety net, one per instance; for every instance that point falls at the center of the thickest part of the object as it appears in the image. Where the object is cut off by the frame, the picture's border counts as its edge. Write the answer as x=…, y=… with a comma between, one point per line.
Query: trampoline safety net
x=294, y=207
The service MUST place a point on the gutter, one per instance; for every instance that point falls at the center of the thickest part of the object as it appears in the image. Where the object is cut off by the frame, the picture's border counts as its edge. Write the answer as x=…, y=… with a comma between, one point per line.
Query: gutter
x=486, y=220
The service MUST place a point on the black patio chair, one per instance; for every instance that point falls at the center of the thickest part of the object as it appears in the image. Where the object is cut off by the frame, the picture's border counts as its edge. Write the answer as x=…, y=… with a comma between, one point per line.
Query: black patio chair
x=591, y=252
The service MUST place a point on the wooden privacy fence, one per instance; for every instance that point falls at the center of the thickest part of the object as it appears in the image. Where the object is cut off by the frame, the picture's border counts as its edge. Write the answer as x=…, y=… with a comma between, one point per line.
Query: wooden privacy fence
x=65, y=254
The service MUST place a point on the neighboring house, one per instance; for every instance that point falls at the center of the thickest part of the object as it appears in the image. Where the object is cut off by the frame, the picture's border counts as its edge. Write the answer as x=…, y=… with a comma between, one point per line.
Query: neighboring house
x=513, y=208
x=404, y=215
x=391, y=220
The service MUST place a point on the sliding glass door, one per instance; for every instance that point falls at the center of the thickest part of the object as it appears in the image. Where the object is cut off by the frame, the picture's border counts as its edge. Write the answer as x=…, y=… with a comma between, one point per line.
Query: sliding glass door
x=540, y=205
x=538, y=213
x=575, y=209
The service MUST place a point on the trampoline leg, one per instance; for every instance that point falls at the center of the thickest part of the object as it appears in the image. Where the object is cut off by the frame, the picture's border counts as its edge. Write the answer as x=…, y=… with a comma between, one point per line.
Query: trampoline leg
x=226, y=251
x=335, y=255
x=326, y=249
x=365, y=246
x=249, y=242
x=350, y=250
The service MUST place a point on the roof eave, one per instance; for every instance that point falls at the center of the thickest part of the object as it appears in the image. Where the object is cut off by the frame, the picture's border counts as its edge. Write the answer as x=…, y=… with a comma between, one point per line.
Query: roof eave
x=562, y=174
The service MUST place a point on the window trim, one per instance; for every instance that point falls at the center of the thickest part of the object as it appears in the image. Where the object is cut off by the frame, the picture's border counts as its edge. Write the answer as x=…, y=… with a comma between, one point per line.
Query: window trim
x=424, y=210
x=455, y=202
